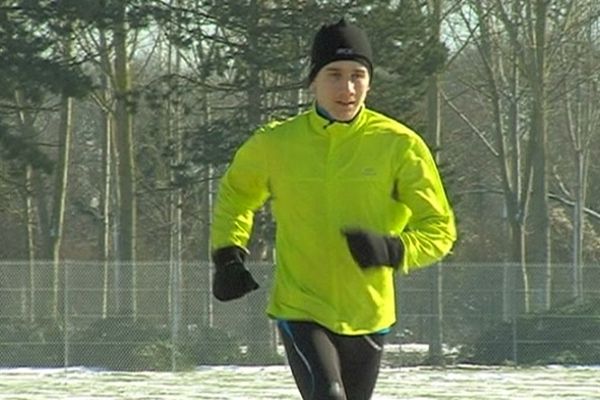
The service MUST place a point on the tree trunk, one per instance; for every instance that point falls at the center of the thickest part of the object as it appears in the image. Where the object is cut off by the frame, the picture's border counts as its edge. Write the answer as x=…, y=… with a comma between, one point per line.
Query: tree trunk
x=516, y=199
x=509, y=143
x=540, y=272
x=175, y=203
x=578, y=225
x=126, y=298
x=434, y=124
x=574, y=128
x=30, y=225
x=258, y=347
x=65, y=132
x=106, y=122
x=60, y=198
x=37, y=218
x=208, y=201
x=580, y=95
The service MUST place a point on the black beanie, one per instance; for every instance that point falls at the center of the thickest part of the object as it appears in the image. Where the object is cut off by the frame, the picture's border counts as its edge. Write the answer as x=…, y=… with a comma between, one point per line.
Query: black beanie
x=340, y=41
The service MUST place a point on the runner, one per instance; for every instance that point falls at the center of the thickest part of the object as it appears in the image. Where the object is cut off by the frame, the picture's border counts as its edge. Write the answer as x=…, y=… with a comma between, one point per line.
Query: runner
x=356, y=197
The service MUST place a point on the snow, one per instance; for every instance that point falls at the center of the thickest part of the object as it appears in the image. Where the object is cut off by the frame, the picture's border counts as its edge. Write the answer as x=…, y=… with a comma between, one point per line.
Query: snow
x=275, y=382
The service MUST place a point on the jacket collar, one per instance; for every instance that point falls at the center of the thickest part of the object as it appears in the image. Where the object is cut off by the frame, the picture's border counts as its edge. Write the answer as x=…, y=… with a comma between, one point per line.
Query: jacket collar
x=324, y=126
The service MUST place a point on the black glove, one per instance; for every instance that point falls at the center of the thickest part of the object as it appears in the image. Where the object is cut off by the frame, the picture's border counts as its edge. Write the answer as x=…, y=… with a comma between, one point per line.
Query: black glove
x=370, y=249
x=231, y=279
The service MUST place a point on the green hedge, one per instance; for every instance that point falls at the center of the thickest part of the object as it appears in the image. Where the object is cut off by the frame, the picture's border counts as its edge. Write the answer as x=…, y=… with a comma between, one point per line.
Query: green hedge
x=122, y=344
x=26, y=344
x=114, y=344
x=566, y=335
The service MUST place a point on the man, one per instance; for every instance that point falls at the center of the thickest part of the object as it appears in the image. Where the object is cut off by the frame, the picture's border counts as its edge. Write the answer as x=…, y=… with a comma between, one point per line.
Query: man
x=356, y=196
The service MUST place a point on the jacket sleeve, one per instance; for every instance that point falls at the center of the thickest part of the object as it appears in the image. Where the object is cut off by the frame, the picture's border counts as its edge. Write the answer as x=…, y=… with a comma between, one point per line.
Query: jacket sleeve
x=431, y=229
x=242, y=190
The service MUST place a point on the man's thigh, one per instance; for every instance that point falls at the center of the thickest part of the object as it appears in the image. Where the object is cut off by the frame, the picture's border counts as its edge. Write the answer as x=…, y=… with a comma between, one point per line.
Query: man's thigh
x=313, y=359
x=360, y=358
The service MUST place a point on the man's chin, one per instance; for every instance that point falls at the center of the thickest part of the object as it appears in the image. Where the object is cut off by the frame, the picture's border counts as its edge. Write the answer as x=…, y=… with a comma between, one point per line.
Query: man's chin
x=345, y=116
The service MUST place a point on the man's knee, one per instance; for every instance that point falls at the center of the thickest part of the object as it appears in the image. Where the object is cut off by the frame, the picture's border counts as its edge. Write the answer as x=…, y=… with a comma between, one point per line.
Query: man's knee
x=334, y=391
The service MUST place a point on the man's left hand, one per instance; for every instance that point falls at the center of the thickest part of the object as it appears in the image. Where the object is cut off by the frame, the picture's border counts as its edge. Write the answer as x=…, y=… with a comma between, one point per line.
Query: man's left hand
x=370, y=249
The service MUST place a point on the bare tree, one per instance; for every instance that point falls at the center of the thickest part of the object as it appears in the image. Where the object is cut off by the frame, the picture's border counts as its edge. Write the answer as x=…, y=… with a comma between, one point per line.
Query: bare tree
x=580, y=94
x=65, y=133
x=500, y=76
x=25, y=123
x=434, y=133
x=517, y=43
x=126, y=299
x=106, y=122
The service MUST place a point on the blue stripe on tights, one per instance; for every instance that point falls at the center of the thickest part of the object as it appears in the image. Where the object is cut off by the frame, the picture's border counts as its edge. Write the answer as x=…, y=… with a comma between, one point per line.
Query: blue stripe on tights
x=286, y=327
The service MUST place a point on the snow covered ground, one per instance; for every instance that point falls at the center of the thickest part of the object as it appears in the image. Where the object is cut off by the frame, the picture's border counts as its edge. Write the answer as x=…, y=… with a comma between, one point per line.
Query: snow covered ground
x=264, y=383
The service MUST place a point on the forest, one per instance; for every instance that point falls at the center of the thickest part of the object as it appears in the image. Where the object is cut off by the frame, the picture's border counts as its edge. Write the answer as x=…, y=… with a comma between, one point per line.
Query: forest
x=117, y=118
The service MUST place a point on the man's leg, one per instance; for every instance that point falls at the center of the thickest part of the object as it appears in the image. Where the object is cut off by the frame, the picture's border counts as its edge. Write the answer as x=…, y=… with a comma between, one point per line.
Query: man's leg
x=360, y=358
x=313, y=360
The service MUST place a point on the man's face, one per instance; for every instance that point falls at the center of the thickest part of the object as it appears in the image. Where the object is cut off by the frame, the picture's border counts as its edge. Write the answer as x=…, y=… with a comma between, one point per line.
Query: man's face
x=341, y=87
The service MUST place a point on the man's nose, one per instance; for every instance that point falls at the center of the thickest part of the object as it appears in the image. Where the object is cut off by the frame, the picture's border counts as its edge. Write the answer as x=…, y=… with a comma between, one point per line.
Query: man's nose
x=347, y=85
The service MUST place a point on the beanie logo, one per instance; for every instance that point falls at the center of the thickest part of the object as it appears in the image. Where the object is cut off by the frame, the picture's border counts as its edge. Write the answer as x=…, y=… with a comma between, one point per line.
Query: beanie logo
x=344, y=51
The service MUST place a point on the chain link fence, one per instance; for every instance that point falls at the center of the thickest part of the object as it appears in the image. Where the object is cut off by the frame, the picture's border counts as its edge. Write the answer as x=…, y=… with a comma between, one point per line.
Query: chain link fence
x=162, y=316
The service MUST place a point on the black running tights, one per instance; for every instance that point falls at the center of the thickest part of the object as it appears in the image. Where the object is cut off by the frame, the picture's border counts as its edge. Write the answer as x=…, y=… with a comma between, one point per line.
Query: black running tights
x=329, y=366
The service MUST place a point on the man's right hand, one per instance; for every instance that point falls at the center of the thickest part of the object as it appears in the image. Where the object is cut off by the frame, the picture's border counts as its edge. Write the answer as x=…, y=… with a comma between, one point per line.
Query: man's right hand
x=231, y=279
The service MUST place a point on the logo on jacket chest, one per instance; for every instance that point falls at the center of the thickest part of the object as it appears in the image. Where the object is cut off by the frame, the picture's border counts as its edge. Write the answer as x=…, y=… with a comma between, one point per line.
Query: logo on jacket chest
x=368, y=171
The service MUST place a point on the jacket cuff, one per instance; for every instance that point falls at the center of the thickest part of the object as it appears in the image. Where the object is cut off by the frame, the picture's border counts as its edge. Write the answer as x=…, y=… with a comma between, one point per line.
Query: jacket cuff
x=229, y=255
x=395, y=249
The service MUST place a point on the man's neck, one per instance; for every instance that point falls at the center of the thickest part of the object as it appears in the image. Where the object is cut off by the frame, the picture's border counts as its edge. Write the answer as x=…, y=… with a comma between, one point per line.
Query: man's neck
x=325, y=114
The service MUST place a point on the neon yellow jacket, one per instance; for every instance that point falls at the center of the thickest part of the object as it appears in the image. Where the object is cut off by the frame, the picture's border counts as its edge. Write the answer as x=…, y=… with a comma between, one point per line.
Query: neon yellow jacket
x=373, y=173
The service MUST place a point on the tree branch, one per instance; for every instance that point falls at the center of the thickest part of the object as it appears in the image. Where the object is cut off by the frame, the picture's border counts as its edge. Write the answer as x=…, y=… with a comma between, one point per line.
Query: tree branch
x=475, y=130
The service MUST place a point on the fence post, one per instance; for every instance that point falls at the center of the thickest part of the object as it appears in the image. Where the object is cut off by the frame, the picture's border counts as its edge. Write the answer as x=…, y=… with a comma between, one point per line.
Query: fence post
x=175, y=301
x=436, y=337
x=515, y=315
x=66, y=314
